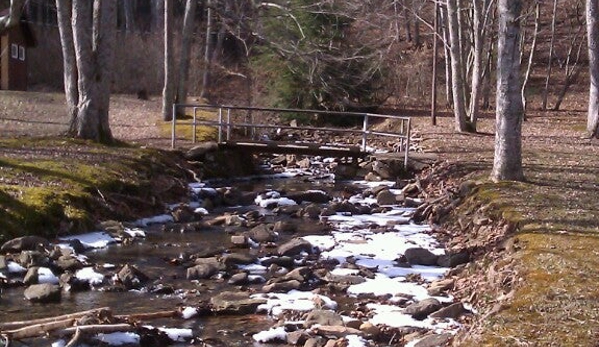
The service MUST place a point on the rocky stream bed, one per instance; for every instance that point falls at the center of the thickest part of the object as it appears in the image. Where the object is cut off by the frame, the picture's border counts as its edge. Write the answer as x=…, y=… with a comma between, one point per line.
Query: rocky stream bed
x=294, y=258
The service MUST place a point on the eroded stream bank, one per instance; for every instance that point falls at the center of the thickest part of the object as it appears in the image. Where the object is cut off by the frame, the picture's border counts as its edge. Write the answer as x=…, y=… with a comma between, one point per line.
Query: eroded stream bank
x=300, y=259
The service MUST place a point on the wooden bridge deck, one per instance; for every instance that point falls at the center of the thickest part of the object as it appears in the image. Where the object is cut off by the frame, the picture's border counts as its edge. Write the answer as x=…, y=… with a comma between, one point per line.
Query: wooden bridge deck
x=295, y=148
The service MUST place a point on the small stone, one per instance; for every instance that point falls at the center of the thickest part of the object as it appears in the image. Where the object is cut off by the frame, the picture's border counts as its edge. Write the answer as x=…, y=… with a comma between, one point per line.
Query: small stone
x=294, y=247
x=202, y=271
x=131, y=277
x=452, y=311
x=420, y=256
x=262, y=233
x=420, y=310
x=323, y=317
x=238, y=258
x=285, y=227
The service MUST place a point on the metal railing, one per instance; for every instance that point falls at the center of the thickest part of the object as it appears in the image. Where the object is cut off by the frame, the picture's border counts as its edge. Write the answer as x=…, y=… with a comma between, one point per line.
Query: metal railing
x=228, y=120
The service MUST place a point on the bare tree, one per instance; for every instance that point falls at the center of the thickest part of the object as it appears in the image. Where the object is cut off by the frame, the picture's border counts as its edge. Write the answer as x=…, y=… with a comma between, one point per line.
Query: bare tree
x=168, y=91
x=457, y=80
x=186, y=40
x=208, y=49
x=507, y=164
x=592, y=16
x=550, y=62
x=533, y=48
x=64, y=13
x=14, y=15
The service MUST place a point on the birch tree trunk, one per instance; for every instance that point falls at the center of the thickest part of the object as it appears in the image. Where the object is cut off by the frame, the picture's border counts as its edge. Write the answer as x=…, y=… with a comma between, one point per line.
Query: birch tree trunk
x=551, y=45
x=592, y=14
x=186, y=40
x=207, y=55
x=457, y=85
x=533, y=48
x=168, y=91
x=93, y=36
x=507, y=164
x=480, y=7
x=64, y=9
x=129, y=9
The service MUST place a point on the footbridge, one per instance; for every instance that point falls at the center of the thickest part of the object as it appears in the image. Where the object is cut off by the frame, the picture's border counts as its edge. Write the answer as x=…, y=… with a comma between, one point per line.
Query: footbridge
x=253, y=129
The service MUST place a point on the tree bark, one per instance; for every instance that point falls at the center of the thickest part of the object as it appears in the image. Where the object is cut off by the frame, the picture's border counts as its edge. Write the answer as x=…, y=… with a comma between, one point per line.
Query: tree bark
x=592, y=14
x=157, y=13
x=434, y=73
x=168, y=91
x=186, y=40
x=480, y=8
x=533, y=48
x=14, y=15
x=459, y=108
x=507, y=164
x=64, y=10
x=207, y=55
x=129, y=12
x=550, y=62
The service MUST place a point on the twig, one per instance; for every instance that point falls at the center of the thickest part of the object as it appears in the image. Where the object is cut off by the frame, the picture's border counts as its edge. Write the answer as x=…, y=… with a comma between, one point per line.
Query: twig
x=75, y=338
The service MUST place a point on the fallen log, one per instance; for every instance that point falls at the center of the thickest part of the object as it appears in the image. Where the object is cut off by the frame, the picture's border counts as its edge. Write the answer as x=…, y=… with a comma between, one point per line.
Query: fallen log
x=36, y=330
x=75, y=315
x=96, y=329
x=136, y=317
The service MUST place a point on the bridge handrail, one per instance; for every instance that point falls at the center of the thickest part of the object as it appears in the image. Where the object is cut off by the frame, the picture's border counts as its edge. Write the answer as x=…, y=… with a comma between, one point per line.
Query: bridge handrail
x=225, y=125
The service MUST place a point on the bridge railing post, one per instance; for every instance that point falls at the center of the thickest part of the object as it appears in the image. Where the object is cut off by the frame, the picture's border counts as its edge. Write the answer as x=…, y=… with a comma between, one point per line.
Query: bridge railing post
x=194, y=125
x=407, y=145
x=228, y=124
x=220, y=125
x=364, y=132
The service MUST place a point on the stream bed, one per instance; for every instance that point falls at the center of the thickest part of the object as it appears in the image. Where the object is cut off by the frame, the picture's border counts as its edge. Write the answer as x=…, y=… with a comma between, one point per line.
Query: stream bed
x=295, y=258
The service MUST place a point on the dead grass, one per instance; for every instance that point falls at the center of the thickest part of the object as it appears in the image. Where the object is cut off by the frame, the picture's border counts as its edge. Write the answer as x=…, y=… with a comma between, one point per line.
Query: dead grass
x=555, y=302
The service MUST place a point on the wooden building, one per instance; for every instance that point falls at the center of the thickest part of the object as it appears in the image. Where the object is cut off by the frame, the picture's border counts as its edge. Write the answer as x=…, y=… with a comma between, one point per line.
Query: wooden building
x=14, y=43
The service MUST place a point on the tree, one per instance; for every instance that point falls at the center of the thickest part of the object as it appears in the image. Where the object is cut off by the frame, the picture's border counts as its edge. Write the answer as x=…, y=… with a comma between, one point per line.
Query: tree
x=168, y=91
x=457, y=77
x=592, y=13
x=187, y=37
x=90, y=37
x=14, y=15
x=507, y=164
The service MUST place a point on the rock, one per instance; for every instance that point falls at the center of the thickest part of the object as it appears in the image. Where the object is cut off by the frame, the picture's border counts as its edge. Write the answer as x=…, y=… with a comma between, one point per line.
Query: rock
x=24, y=243
x=285, y=227
x=311, y=211
x=232, y=197
x=436, y=340
x=238, y=258
x=43, y=293
x=420, y=310
x=372, y=177
x=385, y=197
x=33, y=258
x=370, y=329
x=262, y=233
x=235, y=220
x=437, y=288
x=237, y=279
x=3, y=264
x=284, y=261
x=420, y=256
x=76, y=245
x=300, y=274
x=304, y=163
x=323, y=317
x=335, y=331
x=131, y=277
x=314, y=196
x=235, y=303
x=452, y=311
x=68, y=263
x=239, y=240
x=454, y=259
x=31, y=276
x=465, y=188
x=73, y=284
x=344, y=279
x=383, y=170
x=184, y=214
x=345, y=171
x=412, y=202
x=315, y=342
x=288, y=210
x=282, y=287
x=294, y=247
x=199, y=152
x=298, y=337
x=202, y=271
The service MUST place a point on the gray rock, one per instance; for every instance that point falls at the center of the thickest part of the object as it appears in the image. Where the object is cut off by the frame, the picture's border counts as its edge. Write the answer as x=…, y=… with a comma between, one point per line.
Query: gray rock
x=262, y=233
x=235, y=303
x=238, y=258
x=372, y=177
x=311, y=211
x=285, y=227
x=199, y=152
x=436, y=340
x=184, y=214
x=296, y=338
x=335, y=331
x=454, y=259
x=452, y=311
x=420, y=310
x=437, y=288
x=240, y=278
x=131, y=277
x=370, y=329
x=385, y=197
x=383, y=170
x=202, y=271
x=24, y=243
x=282, y=287
x=68, y=263
x=300, y=274
x=323, y=317
x=33, y=258
x=43, y=293
x=239, y=240
x=310, y=196
x=73, y=284
x=284, y=261
x=294, y=247
x=235, y=220
x=420, y=256
x=315, y=342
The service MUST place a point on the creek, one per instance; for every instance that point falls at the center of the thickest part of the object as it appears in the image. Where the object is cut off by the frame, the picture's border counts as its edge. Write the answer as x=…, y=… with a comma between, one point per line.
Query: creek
x=162, y=253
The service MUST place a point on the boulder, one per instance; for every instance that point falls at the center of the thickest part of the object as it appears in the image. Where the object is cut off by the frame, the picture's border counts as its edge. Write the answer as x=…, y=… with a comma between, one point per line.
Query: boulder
x=314, y=196
x=420, y=310
x=435, y=340
x=311, y=211
x=285, y=227
x=238, y=258
x=240, y=278
x=131, y=277
x=235, y=303
x=68, y=263
x=33, y=258
x=262, y=233
x=282, y=287
x=452, y=311
x=386, y=197
x=294, y=247
x=284, y=261
x=202, y=271
x=239, y=240
x=24, y=243
x=323, y=317
x=420, y=256
x=454, y=259
x=199, y=152
x=43, y=293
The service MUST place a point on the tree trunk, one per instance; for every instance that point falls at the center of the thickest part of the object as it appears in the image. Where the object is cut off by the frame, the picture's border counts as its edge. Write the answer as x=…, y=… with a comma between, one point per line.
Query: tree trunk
x=592, y=14
x=64, y=13
x=434, y=73
x=168, y=91
x=93, y=37
x=550, y=62
x=186, y=40
x=207, y=55
x=14, y=15
x=447, y=55
x=157, y=13
x=459, y=108
x=480, y=8
x=507, y=164
x=129, y=12
x=533, y=48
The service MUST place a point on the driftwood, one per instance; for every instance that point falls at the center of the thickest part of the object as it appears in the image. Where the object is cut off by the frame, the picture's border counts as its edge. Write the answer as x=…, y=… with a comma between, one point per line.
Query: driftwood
x=76, y=315
x=96, y=329
x=136, y=317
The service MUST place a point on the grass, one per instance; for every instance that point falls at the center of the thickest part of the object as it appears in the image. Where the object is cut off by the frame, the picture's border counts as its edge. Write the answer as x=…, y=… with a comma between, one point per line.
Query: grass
x=552, y=272
x=184, y=128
